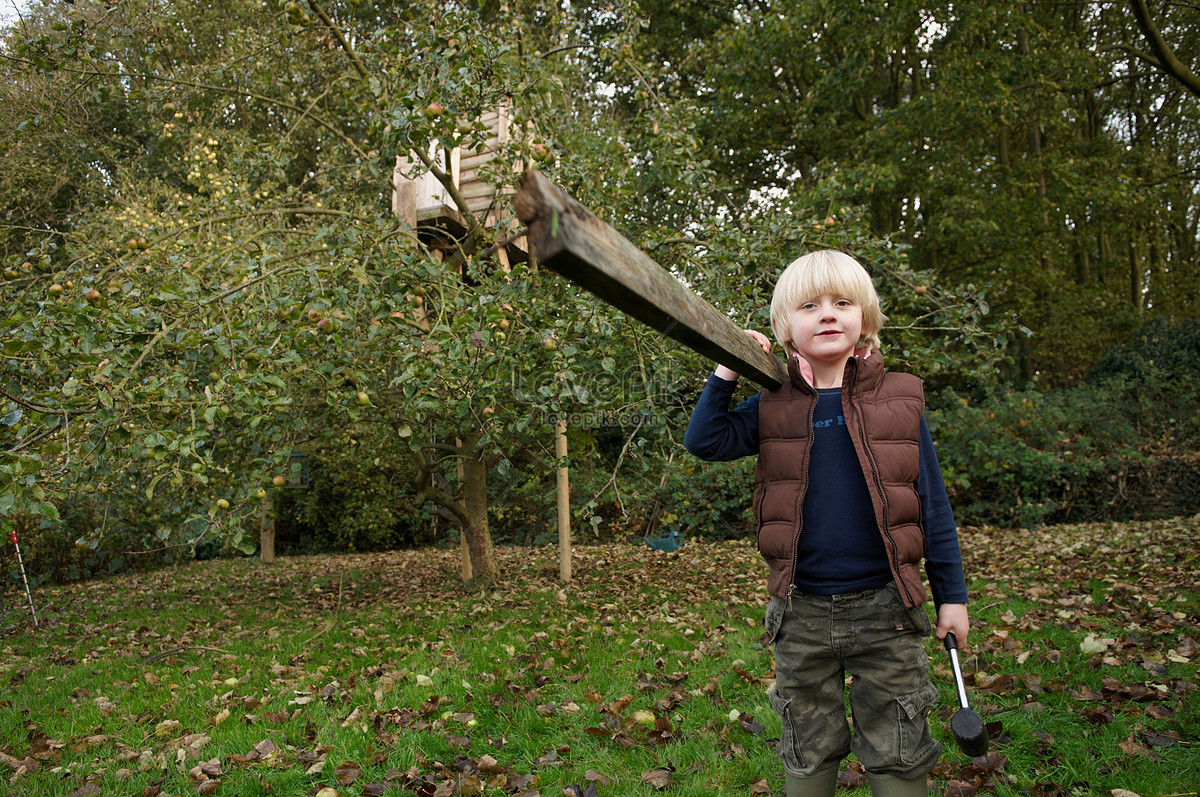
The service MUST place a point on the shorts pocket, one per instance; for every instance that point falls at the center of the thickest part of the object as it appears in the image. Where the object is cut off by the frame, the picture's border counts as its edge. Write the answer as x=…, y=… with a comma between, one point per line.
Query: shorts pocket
x=911, y=620
x=788, y=748
x=915, y=739
x=774, y=617
x=921, y=618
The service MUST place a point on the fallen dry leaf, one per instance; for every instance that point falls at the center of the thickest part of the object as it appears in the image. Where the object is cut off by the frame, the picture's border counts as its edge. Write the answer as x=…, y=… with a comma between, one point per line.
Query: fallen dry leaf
x=167, y=728
x=347, y=773
x=657, y=778
x=852, y=778
x=960, y=788
x=265, y=749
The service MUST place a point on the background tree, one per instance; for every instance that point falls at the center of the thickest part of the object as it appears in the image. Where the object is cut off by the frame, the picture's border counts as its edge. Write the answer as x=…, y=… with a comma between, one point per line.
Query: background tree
x=1018, y=147
x=237, y=275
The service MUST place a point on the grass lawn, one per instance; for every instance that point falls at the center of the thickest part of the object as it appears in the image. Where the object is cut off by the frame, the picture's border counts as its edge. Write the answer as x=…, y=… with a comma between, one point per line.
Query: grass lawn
x=383, y=674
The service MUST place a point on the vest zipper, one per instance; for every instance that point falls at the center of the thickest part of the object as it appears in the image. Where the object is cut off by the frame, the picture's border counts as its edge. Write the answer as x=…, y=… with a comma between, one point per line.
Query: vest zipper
x=887, y=529
x=812, y=411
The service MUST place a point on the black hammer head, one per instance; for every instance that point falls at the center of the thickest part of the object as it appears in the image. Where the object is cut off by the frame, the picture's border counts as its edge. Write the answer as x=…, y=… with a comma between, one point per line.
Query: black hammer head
x=969, y=732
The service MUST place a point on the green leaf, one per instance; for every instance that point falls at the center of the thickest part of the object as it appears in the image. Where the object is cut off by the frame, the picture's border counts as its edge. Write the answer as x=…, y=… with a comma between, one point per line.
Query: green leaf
x=154, y=483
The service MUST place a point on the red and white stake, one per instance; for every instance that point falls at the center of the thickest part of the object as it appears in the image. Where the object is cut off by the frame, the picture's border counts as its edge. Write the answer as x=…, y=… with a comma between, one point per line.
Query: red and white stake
x=21, y=564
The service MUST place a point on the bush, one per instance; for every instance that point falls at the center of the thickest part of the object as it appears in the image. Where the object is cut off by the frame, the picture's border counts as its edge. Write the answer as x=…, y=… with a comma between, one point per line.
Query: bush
x=354, y=503
x=51, y=555
x=710, y=500
x=1121, y=447
x=1159, y=349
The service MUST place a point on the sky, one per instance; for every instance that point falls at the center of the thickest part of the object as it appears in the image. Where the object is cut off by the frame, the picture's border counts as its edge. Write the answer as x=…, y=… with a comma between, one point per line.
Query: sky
x=8, y=11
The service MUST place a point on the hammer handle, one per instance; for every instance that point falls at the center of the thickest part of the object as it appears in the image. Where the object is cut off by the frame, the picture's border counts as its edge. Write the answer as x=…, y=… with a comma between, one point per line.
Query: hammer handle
x=951, y=643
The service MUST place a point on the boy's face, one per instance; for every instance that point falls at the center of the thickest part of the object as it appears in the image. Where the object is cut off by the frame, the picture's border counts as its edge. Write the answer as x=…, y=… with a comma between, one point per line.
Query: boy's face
x=826, y=329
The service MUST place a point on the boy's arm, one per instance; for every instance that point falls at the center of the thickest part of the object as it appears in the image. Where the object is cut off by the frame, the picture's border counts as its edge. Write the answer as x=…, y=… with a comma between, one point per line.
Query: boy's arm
x=715, y=433
x=943, y=559
x=718, y=434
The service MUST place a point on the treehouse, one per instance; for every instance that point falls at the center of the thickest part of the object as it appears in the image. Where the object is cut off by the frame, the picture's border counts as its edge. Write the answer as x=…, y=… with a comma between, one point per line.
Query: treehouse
x=425, y=203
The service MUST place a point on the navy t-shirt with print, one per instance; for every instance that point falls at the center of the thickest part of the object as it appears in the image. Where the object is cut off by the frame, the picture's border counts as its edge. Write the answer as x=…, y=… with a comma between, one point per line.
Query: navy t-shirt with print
x=840, y=549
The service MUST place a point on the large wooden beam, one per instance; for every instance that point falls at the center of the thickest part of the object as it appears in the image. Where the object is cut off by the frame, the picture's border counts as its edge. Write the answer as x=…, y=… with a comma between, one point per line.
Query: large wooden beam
x=569, y=239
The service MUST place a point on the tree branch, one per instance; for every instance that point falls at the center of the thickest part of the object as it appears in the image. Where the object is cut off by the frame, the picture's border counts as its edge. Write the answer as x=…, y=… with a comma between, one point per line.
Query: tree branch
x=47, y=410
x=1167, y=60
x=337, y=33
x=612, y=480
x=118, y=74
x=427, y=492
x=474, y=229
x=302, y=210
x=1135, y=52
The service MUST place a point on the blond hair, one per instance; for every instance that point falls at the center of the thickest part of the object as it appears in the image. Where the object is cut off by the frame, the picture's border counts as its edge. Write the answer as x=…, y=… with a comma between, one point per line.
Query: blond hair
x=820, y=273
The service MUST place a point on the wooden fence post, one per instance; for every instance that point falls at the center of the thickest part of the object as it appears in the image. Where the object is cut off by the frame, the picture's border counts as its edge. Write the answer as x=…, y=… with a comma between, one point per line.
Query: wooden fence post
x=564, y=499
x=266, y=532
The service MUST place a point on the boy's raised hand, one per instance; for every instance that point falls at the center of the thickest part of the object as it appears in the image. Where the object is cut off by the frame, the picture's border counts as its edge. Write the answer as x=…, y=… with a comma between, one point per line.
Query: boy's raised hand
x=728, y=374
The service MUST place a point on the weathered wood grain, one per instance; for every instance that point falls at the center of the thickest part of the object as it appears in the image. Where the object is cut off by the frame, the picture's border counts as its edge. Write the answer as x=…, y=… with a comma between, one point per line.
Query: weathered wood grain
x=572, y=241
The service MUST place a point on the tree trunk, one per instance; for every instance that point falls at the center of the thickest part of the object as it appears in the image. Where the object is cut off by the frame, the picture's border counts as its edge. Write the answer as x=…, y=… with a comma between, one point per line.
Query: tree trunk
x=464, y=548
x=479, y=539
x=1032, y=129
x=1083, y=254
x=1137, y=270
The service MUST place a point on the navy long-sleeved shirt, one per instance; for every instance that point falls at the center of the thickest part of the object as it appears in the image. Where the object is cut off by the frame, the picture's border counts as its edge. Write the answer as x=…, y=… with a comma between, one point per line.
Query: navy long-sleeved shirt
x=840, y=548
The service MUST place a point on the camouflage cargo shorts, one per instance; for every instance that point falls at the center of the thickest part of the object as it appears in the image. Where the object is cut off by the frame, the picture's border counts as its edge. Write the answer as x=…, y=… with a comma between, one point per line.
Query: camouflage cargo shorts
x=880, y=642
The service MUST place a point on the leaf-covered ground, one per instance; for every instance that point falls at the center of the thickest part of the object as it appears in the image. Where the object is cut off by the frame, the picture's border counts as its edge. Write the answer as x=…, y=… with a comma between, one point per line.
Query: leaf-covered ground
x=383, y=674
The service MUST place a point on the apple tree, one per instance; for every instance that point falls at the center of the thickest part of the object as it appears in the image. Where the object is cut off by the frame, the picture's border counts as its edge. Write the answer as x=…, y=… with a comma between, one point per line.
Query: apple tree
x=222, y=282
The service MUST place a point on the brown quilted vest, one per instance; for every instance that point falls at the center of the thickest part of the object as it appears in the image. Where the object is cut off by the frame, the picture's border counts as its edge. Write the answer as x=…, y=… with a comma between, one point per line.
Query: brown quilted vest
x=883, y=412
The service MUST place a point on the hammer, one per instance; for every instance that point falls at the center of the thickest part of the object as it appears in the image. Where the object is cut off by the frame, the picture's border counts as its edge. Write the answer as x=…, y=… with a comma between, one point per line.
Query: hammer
x=966, y=725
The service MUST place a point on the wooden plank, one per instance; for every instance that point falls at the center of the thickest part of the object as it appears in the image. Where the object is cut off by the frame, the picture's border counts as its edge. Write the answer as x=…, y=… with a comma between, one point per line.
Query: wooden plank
x=477, y=188
x=473, y=159
x=571, y=240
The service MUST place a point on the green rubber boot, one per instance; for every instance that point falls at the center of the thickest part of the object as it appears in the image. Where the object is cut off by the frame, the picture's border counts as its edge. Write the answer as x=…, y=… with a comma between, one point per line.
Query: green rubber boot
x=892, y=786
x=819, y=784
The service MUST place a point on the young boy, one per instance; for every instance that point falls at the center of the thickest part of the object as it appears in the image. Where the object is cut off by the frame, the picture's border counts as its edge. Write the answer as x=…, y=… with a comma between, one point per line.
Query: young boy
x=848, y=499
